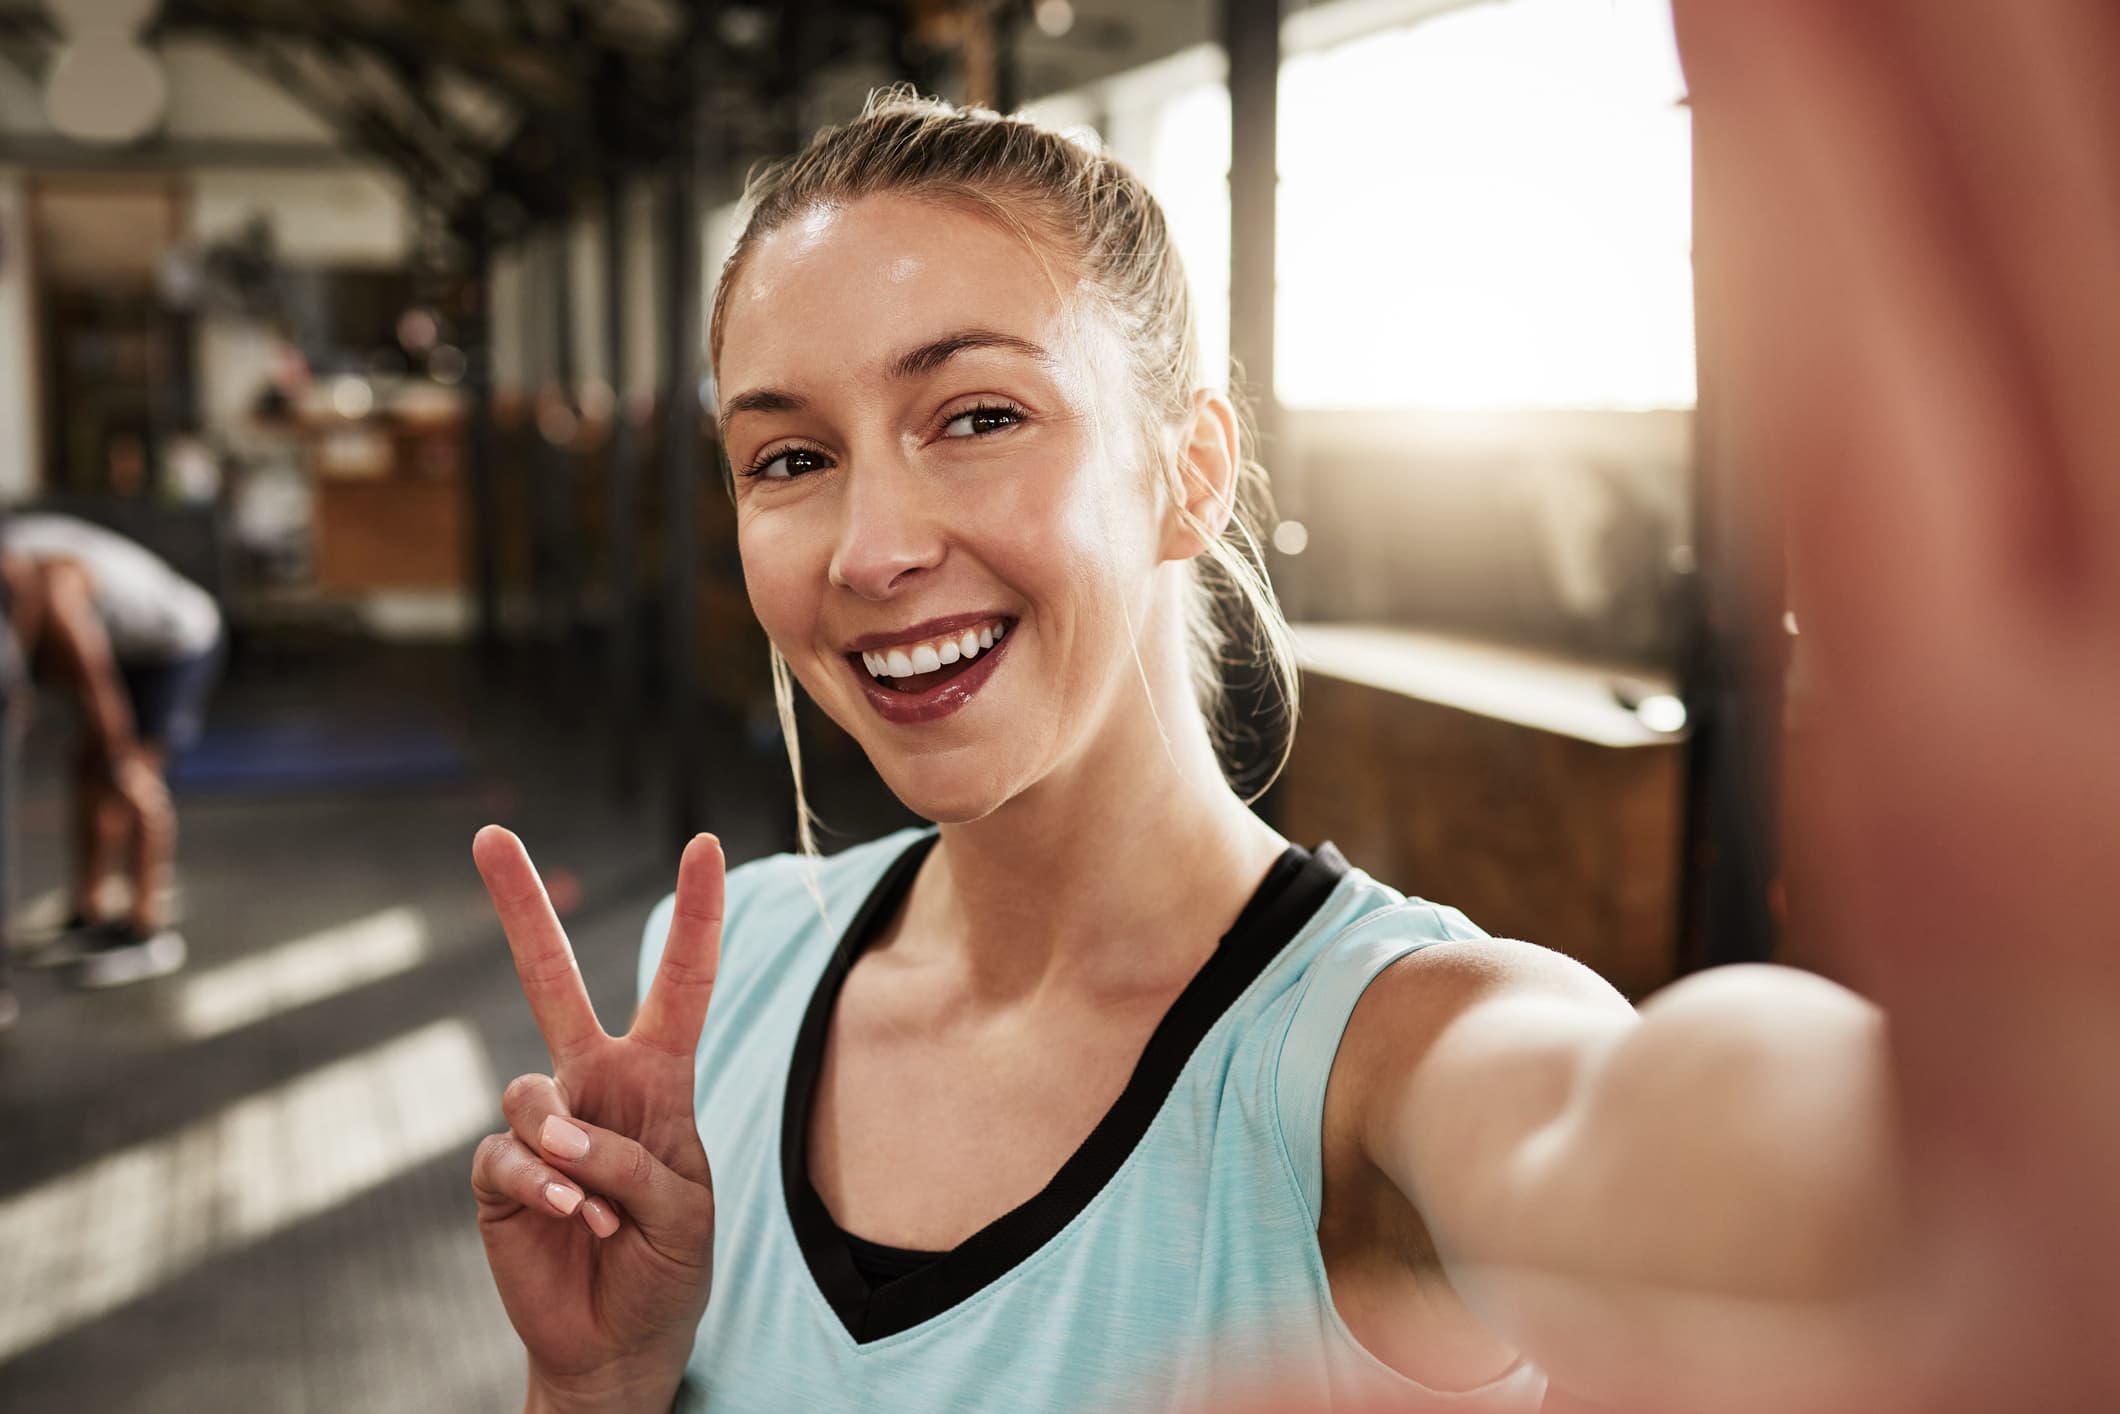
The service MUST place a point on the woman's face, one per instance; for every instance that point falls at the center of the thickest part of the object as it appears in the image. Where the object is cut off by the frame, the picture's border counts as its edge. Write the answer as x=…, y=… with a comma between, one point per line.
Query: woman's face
x=947, y=522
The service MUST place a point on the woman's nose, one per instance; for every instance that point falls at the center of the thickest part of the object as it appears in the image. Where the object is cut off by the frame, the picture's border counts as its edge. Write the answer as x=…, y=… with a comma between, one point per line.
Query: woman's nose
x=889, y=533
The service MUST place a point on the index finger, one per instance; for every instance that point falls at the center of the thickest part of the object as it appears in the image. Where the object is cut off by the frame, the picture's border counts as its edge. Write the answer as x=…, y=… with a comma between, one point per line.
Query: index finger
x=543, y=960
x=675, y=1008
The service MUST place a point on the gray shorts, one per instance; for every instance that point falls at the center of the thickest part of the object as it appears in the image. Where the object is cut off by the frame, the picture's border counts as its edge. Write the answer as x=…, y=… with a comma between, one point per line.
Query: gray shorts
x=169, y=699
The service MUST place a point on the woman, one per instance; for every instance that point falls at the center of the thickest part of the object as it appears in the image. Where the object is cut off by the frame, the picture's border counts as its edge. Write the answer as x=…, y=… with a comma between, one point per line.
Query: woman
x=1105, y=1084
x=1100, y=1091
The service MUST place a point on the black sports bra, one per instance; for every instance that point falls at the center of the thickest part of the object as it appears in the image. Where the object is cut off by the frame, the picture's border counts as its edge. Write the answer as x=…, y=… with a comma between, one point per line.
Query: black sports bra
x=879, y=1264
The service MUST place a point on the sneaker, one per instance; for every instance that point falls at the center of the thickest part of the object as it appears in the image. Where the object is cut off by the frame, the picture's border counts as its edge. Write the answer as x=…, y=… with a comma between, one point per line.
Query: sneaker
x=116, y=957
x=76, y=937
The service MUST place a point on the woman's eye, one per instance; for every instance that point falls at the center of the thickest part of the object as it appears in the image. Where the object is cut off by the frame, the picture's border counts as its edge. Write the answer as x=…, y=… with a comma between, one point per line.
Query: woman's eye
x=787, y=465
x=977, y=422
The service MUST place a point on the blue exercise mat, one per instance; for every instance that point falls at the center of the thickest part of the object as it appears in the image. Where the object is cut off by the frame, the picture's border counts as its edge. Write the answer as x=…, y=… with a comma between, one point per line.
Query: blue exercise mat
x=309, y=755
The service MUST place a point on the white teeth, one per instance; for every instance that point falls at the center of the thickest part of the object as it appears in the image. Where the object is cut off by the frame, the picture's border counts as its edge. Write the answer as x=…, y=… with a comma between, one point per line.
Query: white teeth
x=913, y=659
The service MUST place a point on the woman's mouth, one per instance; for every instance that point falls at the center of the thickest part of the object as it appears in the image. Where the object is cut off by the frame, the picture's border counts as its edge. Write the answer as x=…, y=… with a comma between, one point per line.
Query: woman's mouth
x=925, y=678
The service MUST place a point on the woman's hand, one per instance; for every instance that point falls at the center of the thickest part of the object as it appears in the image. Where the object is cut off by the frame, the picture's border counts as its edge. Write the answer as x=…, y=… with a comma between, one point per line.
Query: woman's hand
x=597, y=1206
x=1911, y=232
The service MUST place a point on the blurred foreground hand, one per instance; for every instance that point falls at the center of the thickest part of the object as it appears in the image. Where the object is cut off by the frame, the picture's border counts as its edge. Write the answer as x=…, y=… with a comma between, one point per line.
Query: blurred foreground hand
x=1916, y=242
x=1910, y=247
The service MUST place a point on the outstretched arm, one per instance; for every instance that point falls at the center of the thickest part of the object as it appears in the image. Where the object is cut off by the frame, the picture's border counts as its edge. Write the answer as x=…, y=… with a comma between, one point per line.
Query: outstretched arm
x=1912, y=241
x=1699, y=1206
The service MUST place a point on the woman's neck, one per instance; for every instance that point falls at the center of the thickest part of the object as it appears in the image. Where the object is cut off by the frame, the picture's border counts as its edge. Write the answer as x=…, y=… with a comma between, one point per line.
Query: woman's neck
x=1118, y=872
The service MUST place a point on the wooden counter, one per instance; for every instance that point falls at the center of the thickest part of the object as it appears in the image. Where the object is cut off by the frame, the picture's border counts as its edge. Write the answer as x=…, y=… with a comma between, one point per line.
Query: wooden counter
x=1514, y=785
x=398, y=532
x=389, y=507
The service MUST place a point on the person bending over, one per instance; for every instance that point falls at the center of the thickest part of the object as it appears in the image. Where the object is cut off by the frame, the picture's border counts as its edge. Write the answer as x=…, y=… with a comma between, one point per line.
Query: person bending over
x=137, y=646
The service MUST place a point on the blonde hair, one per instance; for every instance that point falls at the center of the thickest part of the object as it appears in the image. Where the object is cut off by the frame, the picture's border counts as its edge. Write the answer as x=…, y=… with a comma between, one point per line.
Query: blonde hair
x=1065, y=197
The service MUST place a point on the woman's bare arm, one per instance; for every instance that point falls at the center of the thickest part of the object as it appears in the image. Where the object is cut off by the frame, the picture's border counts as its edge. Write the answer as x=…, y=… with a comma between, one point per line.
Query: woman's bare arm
x=1708, y=1192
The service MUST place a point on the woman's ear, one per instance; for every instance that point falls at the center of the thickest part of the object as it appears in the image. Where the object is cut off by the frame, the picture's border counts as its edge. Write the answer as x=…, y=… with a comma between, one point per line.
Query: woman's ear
x=1209, y=456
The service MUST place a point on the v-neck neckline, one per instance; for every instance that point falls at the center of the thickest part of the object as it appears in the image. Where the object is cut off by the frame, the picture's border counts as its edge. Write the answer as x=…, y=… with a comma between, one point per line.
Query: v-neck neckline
x=1291, y=893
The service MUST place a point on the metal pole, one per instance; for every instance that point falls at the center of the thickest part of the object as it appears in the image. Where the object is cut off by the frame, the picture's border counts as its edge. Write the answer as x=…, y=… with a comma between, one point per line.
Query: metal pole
x=485, y=508
x=546, y=462
x=14, y=684
x=1732, y=653
x=566, y=534
x=681, y=255
x=1251, y=37
x=624, y=657
x=556, y=460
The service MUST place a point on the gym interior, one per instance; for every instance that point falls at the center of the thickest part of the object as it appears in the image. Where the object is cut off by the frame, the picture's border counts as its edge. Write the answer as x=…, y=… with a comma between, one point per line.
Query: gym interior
x=385, y=325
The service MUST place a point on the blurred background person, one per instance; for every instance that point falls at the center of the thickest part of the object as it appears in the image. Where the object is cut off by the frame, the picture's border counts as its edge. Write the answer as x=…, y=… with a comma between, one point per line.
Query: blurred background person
x=134, y=647
x=14, y=715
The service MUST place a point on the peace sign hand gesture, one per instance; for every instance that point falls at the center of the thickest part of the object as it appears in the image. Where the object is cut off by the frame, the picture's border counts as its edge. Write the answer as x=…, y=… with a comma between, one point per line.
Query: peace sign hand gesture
x=597, y=1206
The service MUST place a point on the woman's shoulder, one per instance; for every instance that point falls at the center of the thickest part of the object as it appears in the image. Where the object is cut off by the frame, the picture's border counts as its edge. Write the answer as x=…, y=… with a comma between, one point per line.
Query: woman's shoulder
x=1367, y=919
x=1362, y=930
x=1355, y=936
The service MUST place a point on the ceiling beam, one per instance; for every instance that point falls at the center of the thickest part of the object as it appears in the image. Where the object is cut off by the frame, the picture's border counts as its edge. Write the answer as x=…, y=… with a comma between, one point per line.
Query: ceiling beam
x=176, y=154
x=415, y=31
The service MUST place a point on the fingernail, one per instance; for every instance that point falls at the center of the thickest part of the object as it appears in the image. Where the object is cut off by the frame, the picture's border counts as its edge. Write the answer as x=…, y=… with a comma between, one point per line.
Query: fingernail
x=560, y=1196
x=602, y=1221
x=562, y=1138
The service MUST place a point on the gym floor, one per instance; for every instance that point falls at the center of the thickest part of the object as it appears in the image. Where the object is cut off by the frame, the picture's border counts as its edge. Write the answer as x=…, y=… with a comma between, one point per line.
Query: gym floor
x=244, y=1186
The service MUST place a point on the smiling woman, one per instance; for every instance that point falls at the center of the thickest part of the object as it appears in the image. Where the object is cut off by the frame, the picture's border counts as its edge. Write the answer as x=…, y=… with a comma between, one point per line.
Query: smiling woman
x=969, y=451
x=1032, y=312
x=1099, y=1093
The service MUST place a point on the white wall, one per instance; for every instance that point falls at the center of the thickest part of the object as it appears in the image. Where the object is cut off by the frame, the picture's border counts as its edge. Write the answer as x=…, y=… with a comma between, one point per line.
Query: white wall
x=235, y=361
x=342, y=216
x=643, y=281
x=18, y=378
x=510, y=323
x=21, y=114
x=21, y=105
x=213, y=96
x=1559, y=529
x=585, y=256
x=522, y=277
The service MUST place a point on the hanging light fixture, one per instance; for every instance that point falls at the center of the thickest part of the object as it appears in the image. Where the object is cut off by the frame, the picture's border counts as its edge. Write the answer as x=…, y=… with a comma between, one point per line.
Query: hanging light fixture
x=104, y=85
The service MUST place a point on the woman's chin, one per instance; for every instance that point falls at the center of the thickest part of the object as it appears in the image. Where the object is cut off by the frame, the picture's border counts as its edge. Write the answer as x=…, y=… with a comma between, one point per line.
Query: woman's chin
x=933, y=796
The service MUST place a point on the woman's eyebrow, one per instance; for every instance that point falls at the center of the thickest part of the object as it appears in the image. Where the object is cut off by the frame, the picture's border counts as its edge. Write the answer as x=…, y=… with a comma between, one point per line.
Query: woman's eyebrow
x=913, y=363
x=758, y=400
x=928, y=357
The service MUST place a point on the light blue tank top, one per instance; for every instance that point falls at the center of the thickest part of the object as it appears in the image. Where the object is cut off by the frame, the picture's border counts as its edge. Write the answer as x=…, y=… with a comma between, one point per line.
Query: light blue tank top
x=1191, y=1264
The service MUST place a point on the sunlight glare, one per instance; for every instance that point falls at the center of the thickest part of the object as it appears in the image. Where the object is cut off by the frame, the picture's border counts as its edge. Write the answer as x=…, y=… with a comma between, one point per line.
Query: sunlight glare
x=308, y=969
x=83, y=1244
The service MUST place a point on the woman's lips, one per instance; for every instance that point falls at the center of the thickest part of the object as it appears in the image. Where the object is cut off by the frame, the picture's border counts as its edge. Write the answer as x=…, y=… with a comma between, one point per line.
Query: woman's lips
x=906, y=708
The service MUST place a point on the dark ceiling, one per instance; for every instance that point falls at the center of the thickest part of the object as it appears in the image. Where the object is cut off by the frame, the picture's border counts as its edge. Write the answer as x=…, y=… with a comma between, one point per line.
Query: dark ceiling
x=499, y=113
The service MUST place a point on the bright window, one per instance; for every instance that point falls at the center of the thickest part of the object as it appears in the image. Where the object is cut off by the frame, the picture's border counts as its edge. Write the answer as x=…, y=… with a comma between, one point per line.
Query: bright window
x=1489, y=209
